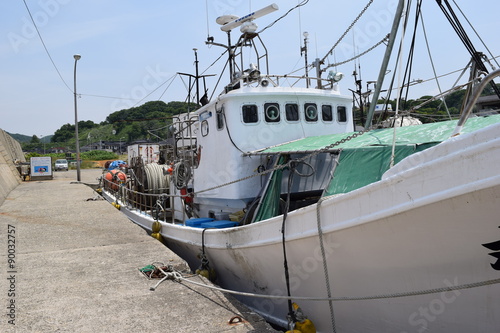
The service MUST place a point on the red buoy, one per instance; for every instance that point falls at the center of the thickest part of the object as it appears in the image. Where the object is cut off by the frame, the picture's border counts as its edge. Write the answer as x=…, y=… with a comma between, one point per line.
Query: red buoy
x=114, y=178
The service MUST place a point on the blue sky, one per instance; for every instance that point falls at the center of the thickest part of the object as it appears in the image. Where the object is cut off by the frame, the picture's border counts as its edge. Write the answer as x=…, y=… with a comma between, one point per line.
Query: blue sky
x=131, y=49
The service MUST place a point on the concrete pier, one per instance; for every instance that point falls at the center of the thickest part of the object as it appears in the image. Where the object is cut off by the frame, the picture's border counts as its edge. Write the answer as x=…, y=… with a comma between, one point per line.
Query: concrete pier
x=69, y=263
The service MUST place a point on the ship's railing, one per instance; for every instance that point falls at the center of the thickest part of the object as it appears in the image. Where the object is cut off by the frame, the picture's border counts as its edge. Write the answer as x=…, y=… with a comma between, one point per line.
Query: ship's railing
x=265, y=80
x=185, y=140
x=157, y=205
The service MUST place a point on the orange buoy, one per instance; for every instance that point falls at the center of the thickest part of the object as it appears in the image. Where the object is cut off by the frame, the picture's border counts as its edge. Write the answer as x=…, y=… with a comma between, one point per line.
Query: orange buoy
x=114, y=178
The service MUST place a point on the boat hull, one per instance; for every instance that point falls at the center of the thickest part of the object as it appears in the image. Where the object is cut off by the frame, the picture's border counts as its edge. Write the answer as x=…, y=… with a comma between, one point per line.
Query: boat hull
x=421, y=229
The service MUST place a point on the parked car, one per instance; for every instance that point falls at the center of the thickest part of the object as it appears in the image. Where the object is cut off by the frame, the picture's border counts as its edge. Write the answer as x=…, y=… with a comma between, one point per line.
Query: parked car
x=61, y=164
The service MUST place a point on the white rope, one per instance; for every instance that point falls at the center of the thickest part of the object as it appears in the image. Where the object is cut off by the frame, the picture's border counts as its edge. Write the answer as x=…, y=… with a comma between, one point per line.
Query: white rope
x=359, y=298
x=157, y=180
x=171, y=275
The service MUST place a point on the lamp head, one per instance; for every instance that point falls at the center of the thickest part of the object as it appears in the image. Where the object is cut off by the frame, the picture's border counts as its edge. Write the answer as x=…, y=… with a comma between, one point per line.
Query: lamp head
x=77, y=56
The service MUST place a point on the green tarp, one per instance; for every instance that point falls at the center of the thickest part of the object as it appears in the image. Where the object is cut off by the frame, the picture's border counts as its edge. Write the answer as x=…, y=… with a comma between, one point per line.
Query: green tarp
x=419, y=134
x=359, y=167
x=364, y=159
x=270, y=203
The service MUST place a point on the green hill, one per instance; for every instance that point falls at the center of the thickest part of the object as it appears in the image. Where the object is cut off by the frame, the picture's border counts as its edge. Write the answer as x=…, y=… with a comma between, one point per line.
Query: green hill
x=25, y=138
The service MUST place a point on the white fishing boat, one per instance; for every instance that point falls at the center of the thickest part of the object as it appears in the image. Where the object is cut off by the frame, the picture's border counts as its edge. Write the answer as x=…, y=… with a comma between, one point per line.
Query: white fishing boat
x=268, y=189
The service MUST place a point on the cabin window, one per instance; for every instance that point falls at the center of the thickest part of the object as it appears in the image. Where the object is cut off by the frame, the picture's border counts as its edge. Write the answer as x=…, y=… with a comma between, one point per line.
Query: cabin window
x=326, y=113
x=249, y=112
x=220, y=119
x=272, y=112
x=204, y=128
x=311, y=112
x=292, y=112
x=341, y=114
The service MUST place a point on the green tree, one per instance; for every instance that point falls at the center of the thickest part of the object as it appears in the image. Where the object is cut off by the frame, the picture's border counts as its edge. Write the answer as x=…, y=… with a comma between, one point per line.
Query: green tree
x=35, y=139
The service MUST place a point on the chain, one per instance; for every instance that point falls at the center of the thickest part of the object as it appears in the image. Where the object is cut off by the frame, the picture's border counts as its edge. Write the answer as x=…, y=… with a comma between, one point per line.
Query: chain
x=386, y=38
x=348, y=29
x=242, y=179
x=282, y=166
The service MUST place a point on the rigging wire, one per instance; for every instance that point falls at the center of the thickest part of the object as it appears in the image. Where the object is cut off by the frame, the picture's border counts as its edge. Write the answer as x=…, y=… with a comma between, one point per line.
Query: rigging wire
x=219, y=79
x=170, y=78
x=433, y=67
x=300, y=28
x=348, y=29
x=304, y=2
x=409, y=64
x=452, y=72
x=206, y=12
x=447, y=10
x=478, y=36
x=45, y=47
x=164, y=91
x=214, y=62
x=405, y=13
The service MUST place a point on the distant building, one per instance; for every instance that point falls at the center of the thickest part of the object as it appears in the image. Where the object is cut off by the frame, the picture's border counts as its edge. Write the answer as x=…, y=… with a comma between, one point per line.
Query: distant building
x=118, y=147
x=491, y=102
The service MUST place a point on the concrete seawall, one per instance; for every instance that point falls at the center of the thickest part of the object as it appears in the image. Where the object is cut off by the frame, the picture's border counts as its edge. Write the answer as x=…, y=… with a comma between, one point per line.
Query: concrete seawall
x=10, y=150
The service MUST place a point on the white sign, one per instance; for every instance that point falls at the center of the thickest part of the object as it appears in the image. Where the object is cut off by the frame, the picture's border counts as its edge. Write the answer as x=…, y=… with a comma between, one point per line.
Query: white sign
x=41, y=166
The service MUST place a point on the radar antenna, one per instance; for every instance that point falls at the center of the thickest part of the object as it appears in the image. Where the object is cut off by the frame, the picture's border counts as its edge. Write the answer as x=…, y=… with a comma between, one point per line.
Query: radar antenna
x=237, y=21
x=248, y=29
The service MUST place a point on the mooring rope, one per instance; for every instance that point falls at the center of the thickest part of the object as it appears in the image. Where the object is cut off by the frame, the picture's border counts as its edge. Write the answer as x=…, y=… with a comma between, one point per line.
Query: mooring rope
x=358, y=298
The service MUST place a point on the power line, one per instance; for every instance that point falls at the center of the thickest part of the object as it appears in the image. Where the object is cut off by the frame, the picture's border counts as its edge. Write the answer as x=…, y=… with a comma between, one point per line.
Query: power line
x=111, y=97
x=45, y=47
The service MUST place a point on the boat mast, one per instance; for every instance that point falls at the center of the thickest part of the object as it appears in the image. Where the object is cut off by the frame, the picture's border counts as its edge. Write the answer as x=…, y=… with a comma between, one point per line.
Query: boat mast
x=385, y=63
x=197, y=76
x=230, y=22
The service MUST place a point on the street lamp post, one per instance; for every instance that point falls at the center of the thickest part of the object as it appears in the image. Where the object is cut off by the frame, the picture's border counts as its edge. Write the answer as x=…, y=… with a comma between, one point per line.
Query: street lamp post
x=41, y=140
x=78, y=178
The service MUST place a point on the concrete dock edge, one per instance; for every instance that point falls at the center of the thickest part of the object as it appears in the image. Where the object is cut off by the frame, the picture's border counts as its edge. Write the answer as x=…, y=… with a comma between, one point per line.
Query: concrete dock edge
x=70, y=263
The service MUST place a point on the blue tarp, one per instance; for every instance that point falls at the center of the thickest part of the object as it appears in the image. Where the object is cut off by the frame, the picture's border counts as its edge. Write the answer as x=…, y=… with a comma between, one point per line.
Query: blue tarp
x=116, y=164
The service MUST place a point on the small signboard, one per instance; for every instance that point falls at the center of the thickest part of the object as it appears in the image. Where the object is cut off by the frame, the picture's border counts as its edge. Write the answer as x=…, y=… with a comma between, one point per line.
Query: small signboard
x=150, y=153
x=41, y=168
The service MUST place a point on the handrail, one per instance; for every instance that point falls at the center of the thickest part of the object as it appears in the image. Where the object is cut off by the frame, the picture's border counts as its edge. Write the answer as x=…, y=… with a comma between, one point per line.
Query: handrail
x=274, y=80
x=472, y=101
x=142, y=202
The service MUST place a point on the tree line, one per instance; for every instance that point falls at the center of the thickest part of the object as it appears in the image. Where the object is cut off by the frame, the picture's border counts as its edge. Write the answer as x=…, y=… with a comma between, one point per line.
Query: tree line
x=147, y=121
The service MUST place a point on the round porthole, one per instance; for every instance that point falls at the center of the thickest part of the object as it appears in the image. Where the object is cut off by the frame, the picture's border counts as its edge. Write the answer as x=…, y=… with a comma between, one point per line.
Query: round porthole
x=272, y=113
x=311, y=113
